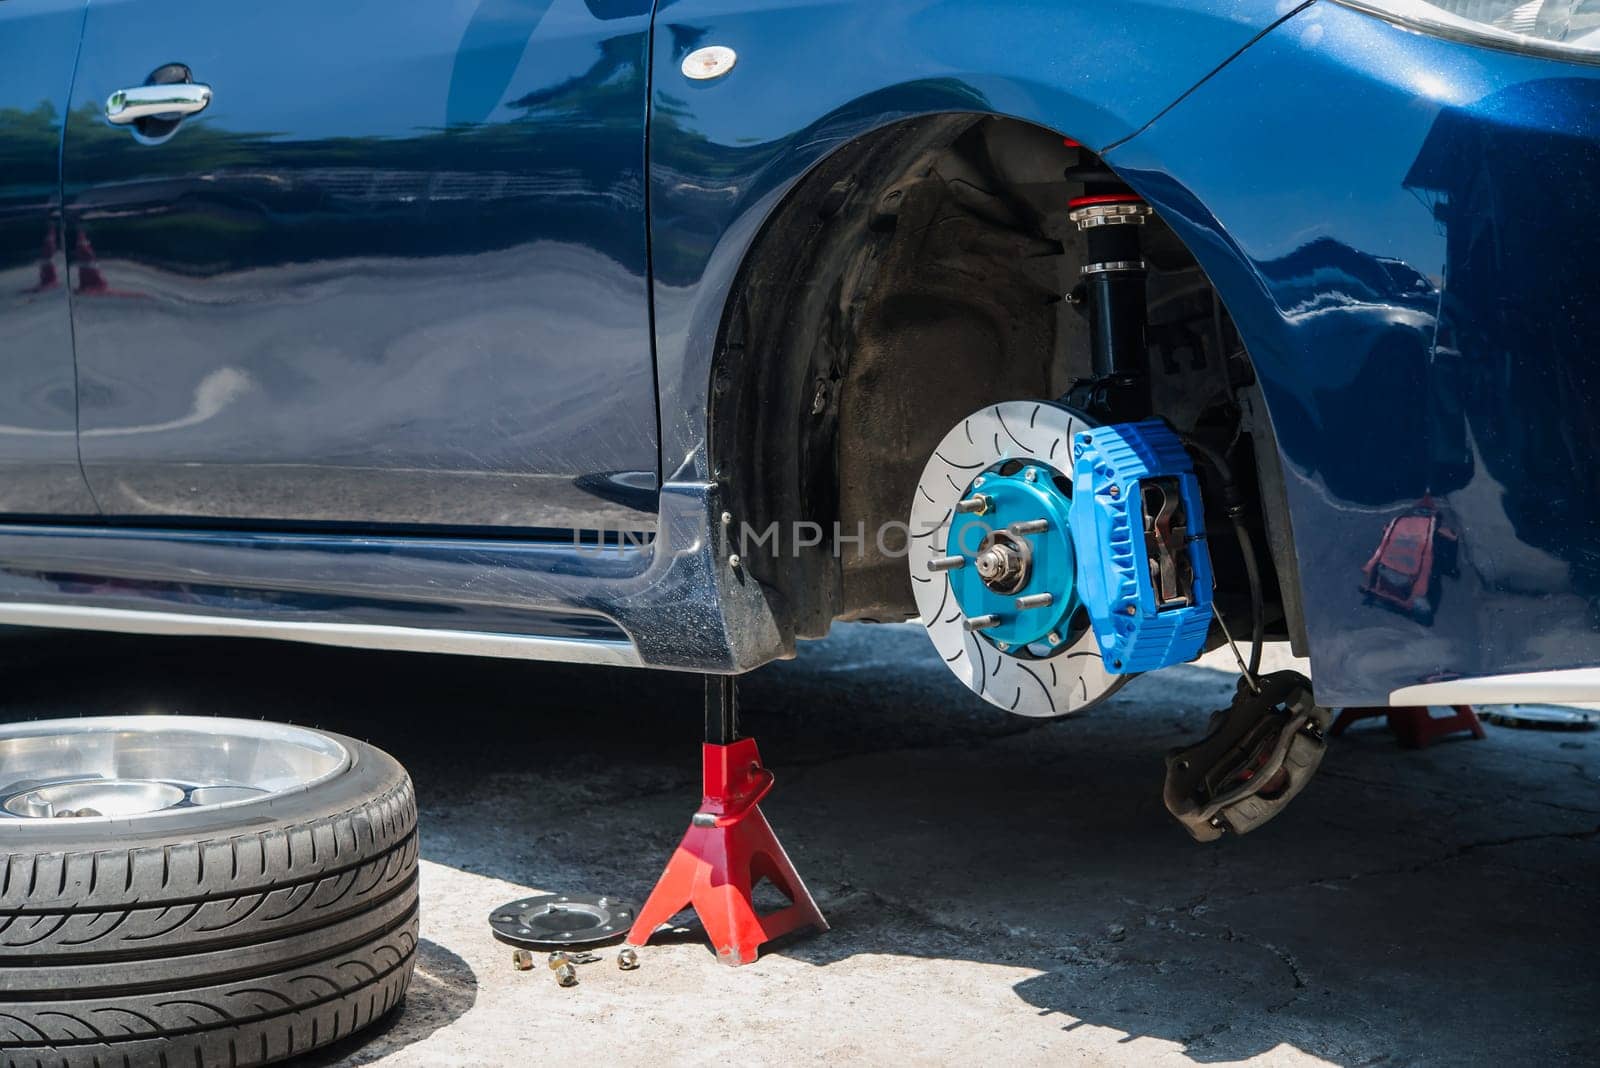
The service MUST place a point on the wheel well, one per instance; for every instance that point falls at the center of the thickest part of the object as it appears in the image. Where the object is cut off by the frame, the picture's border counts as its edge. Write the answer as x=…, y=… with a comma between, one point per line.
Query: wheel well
x=911, y=278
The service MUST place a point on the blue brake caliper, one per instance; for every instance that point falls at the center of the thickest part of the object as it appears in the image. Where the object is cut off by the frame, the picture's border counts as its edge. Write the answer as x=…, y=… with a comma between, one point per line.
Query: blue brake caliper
x=1138, y=528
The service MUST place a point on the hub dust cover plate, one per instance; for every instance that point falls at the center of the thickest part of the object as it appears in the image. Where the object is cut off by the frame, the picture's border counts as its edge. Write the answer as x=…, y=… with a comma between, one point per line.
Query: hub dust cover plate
x=562, y=921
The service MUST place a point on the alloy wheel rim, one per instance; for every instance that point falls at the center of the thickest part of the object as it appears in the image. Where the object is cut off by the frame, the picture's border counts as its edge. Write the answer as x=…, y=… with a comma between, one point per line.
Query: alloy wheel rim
x=150, y=767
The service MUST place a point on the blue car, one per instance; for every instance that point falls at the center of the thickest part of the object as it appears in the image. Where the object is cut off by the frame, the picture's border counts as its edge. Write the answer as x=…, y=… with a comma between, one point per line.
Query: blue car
x=668, y=334
x=665, y=333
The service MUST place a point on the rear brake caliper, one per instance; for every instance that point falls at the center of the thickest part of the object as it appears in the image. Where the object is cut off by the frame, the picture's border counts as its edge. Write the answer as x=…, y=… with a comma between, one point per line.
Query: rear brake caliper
x=1261, y=751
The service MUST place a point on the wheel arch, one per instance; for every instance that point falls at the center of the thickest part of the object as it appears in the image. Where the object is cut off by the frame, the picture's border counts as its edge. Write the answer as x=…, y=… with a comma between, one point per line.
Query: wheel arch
x=784, y=432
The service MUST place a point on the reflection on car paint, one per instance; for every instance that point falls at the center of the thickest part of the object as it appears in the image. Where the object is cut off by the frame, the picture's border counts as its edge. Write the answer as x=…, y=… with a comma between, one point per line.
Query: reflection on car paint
x=437, y=289
x=39, y=472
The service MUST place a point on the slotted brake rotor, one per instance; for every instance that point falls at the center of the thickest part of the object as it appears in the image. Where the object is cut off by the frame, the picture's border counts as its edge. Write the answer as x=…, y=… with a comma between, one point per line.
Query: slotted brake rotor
x=993, y=566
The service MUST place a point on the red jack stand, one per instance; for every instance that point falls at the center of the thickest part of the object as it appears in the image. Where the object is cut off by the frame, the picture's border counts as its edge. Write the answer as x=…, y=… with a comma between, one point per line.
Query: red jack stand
x=729, y=848
x=1415, y=726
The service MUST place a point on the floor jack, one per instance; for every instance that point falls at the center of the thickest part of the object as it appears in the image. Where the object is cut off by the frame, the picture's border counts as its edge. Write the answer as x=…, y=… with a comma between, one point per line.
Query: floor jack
x=729, y=849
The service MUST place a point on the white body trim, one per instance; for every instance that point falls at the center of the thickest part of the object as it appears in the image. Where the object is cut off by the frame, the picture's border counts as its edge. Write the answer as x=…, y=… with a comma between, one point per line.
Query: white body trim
x=1574, y=686
x=351, y=635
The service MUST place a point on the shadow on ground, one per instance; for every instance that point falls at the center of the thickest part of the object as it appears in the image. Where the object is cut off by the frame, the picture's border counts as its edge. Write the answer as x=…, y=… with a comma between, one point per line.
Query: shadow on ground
x=443, y=989
x=1413, y=907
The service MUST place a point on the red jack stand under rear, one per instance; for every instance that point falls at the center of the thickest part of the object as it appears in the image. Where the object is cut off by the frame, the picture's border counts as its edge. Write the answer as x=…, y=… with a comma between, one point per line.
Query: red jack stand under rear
x=1415, y=726
x=729, y=848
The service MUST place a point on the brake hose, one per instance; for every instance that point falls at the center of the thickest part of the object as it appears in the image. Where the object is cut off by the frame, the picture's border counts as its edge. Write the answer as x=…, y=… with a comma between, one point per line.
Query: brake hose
x=1234, y=505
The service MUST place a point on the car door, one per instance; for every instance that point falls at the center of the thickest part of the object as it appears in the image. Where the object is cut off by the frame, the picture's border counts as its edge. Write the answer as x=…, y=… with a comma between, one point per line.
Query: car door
x=39, y=473
x=384, y=265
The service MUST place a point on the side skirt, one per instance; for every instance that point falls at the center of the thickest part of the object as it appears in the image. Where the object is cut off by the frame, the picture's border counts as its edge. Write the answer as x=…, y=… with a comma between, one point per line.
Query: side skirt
x=673, y=603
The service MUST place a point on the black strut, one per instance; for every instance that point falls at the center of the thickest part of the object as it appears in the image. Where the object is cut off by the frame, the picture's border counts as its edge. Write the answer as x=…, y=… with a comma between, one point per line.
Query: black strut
x=1111, y=294
x=722, y=710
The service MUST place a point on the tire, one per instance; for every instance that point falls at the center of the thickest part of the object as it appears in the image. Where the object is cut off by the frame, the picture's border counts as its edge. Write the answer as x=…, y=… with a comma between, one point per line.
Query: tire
x=236, y=934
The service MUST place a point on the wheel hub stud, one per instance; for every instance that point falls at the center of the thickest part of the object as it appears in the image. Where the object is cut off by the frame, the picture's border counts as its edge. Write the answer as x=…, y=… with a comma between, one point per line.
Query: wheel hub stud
x=977, y=504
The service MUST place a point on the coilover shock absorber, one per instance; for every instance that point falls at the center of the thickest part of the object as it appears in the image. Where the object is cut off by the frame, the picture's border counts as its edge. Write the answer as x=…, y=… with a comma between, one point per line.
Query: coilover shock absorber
x=1111, y=294
x=1132, y=474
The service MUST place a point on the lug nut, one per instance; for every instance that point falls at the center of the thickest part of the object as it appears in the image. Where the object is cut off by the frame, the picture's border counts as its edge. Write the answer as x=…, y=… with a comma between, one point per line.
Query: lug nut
x=981, y=622
x=567, y=975
x=977, y=504
x=627, y=959
x=947, y=563
x=522, y=960
x=1035, y=600
x=557, y=959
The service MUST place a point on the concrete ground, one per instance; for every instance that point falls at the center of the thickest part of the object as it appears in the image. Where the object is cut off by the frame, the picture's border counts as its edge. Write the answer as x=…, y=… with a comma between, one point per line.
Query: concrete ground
x=1000, y=890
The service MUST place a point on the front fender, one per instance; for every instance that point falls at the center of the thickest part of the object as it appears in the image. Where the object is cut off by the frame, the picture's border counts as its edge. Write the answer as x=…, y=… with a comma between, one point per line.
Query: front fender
x=1403, y=228
x=813, y=75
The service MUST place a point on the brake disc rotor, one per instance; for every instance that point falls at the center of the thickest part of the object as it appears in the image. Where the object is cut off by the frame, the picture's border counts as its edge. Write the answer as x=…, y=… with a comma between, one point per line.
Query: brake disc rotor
x=1041, y=661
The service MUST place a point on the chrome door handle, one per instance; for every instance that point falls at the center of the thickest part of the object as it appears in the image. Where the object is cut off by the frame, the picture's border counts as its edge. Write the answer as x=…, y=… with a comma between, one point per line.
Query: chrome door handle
x=127, y=106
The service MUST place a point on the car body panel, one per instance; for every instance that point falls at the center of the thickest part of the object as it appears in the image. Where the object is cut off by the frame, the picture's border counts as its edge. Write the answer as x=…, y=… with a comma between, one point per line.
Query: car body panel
x=395, y=274
x=1405, y=232
x=39, y=471
x=1354, y=190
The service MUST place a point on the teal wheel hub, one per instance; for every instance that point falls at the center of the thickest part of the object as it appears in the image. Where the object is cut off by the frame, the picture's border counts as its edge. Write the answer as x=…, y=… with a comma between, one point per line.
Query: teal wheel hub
x=1020, y=569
